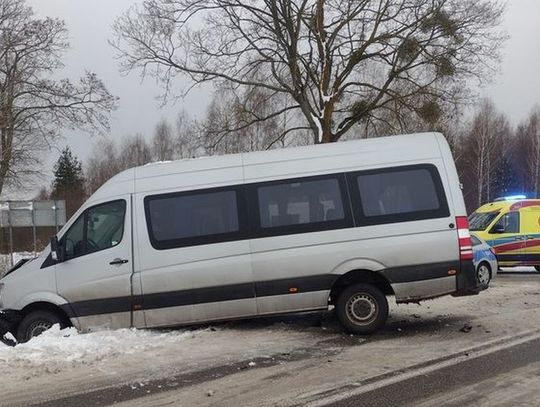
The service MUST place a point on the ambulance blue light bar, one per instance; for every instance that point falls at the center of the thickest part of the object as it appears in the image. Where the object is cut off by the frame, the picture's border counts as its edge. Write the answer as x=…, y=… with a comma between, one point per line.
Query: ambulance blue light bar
x=512, y=198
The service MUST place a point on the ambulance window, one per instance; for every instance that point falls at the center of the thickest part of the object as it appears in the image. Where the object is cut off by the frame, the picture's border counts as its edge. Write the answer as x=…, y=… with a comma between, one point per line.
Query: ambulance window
x=479, y=221
x=508, y=223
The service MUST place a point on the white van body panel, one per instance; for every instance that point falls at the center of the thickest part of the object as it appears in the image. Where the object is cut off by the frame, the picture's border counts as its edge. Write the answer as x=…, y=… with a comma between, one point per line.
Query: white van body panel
x=31, y=286
x=255, y=275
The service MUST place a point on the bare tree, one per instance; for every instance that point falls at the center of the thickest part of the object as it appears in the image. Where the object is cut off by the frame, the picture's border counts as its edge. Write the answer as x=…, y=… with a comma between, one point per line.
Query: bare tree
x=338, y=63
x=163, y=148
x=529, y=150
x=102, y=165
x=134, y=152
x=188, y=143
x=484, y=149
x=33, y=107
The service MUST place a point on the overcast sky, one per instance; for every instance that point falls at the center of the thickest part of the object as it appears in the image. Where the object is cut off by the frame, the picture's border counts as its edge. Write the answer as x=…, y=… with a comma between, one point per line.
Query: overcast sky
x=514, y=91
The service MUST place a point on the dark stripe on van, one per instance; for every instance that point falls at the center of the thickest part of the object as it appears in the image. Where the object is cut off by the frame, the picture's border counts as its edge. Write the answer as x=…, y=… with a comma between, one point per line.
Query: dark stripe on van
x=244, y=291
x=303, y=285
x=98, y=307
x=200, y=295
x=419, y=272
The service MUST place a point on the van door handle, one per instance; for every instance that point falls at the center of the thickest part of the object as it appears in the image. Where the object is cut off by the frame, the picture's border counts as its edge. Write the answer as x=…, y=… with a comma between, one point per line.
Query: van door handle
x=118, y=262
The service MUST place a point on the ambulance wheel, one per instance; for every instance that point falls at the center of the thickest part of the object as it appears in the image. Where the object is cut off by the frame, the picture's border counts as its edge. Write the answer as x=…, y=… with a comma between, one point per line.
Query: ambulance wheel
x=362, y=309
x=35, y=323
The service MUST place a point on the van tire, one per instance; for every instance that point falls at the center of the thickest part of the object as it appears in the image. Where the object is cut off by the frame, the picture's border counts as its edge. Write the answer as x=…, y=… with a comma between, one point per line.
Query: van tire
x=362, y=309
x=537, y=268
x=35, y=323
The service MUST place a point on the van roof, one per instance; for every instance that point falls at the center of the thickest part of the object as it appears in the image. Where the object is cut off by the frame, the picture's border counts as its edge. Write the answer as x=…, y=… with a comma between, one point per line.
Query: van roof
x=252, y=166
x=510, y=205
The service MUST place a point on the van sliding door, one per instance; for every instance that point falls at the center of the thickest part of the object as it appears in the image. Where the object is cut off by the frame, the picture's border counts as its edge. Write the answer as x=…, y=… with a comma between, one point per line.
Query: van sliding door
x=195, y=262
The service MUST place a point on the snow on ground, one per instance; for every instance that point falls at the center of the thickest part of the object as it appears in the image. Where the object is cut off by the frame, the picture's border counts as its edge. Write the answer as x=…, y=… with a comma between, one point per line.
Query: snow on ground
x=68, y=346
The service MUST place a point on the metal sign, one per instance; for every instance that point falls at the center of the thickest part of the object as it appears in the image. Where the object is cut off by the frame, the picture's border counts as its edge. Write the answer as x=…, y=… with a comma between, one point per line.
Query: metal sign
x=31, y=214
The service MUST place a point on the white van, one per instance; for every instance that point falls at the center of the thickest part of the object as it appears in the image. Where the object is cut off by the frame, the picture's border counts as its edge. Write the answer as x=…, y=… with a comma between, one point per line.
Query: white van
x=263, y=233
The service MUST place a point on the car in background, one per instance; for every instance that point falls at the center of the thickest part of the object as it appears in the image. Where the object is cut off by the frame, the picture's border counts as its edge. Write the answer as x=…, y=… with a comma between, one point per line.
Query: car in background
x=485, y=261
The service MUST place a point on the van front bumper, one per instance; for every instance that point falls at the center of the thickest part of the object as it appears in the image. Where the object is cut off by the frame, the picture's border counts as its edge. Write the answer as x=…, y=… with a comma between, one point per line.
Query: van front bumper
x=467, y=282
x=9, y=320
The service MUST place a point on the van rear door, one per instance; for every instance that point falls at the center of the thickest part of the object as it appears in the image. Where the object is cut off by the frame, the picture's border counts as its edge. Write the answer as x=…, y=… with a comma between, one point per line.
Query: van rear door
x=95, y=277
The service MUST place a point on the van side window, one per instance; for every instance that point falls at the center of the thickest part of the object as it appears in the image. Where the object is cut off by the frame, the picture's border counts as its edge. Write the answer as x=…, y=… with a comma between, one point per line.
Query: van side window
x=298, y=203
x=98, y=228
x=508, y=223
x=183, y=219
x=399, y=194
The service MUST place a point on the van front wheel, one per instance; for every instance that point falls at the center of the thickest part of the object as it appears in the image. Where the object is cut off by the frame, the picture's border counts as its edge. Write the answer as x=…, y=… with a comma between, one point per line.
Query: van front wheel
x=362, y=309
x=35, y=323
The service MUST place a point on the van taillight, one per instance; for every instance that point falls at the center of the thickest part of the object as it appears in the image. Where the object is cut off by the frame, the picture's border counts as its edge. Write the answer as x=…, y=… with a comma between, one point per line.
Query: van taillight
x=464, y=238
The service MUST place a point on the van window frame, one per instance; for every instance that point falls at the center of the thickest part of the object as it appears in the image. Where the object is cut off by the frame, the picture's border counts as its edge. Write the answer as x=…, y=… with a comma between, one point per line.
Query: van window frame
x=258, y=231
x=241, y=213
x=356, y=200
x=248, y=209
x=84, y=215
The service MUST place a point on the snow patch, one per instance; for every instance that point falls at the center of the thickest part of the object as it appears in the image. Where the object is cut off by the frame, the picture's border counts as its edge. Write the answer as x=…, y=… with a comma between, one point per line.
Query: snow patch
x=157, y=163
x=67, y=346
x=327, y=98
x=319, y=128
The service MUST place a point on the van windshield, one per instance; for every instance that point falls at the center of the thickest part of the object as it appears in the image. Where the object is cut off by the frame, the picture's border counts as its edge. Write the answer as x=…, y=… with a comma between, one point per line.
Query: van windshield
x=479, y=221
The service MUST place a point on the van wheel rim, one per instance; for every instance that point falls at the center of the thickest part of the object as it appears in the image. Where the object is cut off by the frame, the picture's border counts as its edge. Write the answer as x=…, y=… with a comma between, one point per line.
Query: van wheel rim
x=38, y=328
x=362, y=309
x=483, y=275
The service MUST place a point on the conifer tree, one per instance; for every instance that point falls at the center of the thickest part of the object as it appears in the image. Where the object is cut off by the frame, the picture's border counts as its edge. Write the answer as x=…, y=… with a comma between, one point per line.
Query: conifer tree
x=69, y=181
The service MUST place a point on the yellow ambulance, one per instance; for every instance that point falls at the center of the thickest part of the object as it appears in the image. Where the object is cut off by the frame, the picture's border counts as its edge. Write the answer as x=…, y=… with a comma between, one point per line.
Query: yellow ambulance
x=511, y=226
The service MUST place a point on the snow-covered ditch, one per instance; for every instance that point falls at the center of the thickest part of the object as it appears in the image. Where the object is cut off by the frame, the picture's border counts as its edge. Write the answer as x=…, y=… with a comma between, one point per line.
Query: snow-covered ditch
x=69, y=347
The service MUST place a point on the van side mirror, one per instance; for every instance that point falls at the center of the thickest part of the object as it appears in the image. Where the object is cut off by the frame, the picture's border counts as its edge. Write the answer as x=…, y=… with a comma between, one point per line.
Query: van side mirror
x=57, y=252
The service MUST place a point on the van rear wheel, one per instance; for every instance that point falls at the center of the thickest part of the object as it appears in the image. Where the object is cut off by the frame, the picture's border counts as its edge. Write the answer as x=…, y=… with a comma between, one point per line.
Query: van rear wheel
x=362, y=309
x=35, y=323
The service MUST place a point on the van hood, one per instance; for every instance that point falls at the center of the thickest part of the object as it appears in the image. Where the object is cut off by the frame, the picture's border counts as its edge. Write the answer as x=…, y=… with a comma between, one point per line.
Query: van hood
x=18, y=265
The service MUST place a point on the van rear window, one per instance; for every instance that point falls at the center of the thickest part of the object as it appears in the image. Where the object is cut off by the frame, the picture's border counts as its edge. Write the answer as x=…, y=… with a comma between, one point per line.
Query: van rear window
x=399, y=194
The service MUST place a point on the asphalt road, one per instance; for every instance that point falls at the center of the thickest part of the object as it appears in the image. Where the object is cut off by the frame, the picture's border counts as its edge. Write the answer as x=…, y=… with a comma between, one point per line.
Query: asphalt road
x=509, y=377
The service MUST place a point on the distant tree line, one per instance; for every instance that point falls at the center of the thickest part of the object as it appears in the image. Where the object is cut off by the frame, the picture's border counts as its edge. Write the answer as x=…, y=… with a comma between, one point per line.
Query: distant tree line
x=493, y=157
